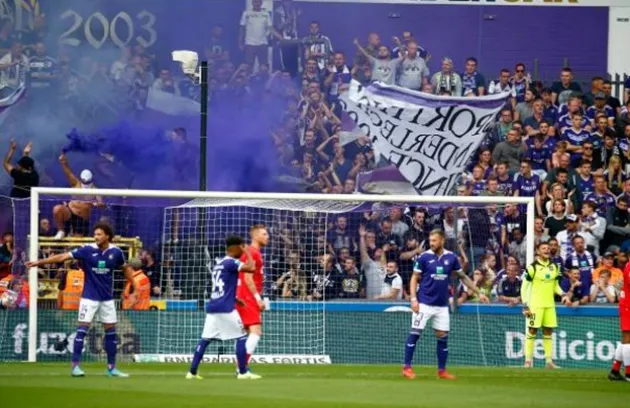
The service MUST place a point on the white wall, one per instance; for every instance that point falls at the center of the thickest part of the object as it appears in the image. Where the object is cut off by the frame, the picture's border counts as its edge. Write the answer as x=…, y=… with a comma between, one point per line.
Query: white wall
x=618, y=40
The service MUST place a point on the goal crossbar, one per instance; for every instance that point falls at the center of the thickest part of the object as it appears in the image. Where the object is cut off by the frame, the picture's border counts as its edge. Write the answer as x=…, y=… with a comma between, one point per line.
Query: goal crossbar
x=335, y=203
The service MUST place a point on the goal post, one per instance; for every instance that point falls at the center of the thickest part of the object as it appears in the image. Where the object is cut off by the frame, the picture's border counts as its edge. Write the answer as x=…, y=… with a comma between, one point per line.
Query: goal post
x=298, y=327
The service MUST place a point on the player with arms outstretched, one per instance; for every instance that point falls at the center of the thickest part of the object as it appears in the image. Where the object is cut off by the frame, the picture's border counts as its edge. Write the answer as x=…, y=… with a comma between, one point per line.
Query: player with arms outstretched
x=98, y=261
x=250, y=288
x=222, y=320
x=429, y=288
x=540, y=283
x=622, y=354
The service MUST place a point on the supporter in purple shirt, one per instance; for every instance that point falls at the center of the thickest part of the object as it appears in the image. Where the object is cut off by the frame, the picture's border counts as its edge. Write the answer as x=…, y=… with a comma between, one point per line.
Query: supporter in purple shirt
x=554, y=250
x=577, y=291
x=504, y=178
x=601, y=128
x=526, y=184
x=624, y=142
x=570, y=106
x=601, y=196
x=540, y=157
x=575, y=136
x=472, y=81
x=581, y=259
x=477, y=185
x=584, y=182
x=600, y=107
x=484, y=161
x=550, y=112
x=551, y=140
x=520, y=83
x=574, y=105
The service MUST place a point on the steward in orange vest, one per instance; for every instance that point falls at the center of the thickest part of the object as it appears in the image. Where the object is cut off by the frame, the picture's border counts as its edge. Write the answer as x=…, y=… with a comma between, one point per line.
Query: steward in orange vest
x=70, y=289
x=138, y=295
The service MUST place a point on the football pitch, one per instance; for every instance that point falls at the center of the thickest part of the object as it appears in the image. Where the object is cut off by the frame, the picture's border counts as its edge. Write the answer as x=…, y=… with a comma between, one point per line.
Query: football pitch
x=163, y=386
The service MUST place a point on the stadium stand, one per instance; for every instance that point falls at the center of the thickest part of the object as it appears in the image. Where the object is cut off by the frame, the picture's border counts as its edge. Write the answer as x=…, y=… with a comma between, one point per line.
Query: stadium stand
x=564, y=142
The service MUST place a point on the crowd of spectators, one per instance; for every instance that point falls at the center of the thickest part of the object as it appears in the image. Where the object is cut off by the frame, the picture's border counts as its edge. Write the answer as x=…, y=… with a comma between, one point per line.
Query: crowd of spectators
x=566, y=146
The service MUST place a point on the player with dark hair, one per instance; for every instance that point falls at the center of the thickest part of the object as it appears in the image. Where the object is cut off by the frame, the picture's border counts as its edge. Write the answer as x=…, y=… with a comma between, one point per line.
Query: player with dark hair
x=250, y=289
x=222, y=320
x=622, y=354
x=429, y=289
x=98, y=261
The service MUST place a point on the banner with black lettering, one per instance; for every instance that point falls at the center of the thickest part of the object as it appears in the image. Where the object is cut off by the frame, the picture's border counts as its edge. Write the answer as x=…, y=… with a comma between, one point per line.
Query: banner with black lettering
x=428, y=138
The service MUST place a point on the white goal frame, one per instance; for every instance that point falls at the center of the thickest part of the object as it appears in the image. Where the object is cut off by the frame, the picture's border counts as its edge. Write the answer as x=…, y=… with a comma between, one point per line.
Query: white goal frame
x=36, y=192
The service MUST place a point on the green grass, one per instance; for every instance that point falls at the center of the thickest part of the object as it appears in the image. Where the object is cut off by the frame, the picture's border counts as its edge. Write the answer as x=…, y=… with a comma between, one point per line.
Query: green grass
x=349, y=386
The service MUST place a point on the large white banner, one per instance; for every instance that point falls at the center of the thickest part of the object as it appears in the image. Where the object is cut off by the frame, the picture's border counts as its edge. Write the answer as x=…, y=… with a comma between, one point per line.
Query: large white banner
x=428, y=138
x=514, y=3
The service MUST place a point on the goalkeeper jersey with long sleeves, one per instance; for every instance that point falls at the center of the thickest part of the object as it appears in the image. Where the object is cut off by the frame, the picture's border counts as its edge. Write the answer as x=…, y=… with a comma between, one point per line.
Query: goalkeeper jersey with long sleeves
x=540, y=283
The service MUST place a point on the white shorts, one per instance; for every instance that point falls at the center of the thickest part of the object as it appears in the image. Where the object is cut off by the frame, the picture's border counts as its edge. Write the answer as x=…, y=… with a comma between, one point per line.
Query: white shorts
x=105, y=312
x=223, y=326
x=439, y=316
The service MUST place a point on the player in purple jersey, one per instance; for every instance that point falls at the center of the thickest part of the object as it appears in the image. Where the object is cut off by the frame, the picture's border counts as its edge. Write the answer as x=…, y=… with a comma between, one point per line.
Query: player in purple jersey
x=98, y=262
x=222, y=320
x=429, y=289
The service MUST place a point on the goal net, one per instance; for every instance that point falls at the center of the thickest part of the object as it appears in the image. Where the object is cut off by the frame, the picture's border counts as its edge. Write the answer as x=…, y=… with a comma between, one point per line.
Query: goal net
x=319, y=311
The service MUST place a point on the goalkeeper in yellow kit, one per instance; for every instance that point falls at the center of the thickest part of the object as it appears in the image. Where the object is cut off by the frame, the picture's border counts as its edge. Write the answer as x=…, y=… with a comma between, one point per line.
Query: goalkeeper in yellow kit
x=540, y=283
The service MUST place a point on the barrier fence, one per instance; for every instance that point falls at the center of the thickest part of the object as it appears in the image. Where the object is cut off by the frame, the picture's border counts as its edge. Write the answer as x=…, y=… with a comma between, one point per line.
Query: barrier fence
x=361, y=333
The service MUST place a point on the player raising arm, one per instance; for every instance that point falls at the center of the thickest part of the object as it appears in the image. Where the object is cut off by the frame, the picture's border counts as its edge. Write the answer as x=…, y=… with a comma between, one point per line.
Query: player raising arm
x=250, y=287
x=99, y=261
x=429, y=288
x=622, y=354
x=540, y=283
x=222, y=321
